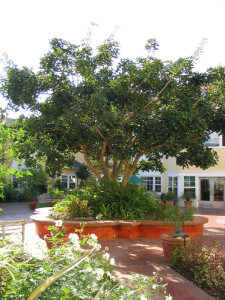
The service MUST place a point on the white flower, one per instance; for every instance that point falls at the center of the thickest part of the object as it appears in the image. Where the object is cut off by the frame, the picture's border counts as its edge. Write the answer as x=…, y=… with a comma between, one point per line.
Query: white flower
x=92, y=240
x=106, y=256
x=113, y=278
x=154, y=286
x=75, y=240
x=91, y=243
x=143, y=297
x=100, y=274
x=74, y=237
x=108, y=274
x=112, y=261
x=168, y=297
x=94, y=237
x=58, y=223
x=88, y=269
x=41, y=270
x=98, y=247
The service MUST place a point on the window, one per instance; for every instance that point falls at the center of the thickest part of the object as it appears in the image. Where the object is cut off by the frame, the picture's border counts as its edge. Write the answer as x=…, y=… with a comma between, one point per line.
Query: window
x=189, y=184
x=69, y=181
x=158, y=184
x=173, y=184
x=153, y=183
x=15, y=182
x=18, y=183
x=215, y=140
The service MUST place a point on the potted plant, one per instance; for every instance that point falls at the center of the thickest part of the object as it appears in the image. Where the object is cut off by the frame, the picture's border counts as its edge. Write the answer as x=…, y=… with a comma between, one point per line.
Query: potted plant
x=32, y=204
x=188, y=197
x=170, y=197
x=170, y=241
x=57, y=236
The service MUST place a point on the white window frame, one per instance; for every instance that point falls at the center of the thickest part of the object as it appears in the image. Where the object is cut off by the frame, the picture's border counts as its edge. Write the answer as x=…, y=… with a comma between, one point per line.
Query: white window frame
x=154, y=183
x=215, y=141
x=190, y=187
x=68, y=180
x=173, y=182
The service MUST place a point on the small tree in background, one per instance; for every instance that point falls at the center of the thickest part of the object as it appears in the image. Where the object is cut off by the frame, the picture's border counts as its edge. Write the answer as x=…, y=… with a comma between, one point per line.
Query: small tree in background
x=7, y=154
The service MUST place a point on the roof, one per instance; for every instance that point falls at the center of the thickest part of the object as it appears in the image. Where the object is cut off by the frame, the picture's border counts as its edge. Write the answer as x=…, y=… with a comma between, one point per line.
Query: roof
x=77, y=165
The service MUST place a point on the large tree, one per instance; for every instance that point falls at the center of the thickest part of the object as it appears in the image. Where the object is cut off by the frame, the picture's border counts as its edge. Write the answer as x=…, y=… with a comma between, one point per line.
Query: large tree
x=115, y=110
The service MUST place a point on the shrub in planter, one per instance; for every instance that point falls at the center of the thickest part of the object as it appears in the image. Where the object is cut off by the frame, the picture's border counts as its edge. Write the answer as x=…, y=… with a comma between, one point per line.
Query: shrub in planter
x=171, y=213
x=132, y=202
x=71, y=208
x=202, y=264
x=188, y=197
x=170, y=197
x=112, y=203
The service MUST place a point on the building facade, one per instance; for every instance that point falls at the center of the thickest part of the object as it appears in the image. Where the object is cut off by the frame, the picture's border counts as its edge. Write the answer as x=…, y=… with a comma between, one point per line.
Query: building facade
x=208, y=186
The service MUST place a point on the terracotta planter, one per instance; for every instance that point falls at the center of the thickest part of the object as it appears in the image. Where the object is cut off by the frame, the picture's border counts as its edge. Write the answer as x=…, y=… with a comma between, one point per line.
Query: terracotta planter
x=32, y=204
x=170, y=243
x=187, y=204
x=114, y=229
x=60, y=242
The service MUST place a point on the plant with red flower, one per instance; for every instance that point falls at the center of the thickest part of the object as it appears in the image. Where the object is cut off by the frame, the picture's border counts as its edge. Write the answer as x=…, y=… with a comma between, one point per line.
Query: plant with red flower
x=58, y=230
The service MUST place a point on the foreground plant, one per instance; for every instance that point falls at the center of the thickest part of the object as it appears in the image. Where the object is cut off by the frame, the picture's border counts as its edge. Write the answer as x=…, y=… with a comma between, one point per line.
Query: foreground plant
x=57, y=230
x=202, y=264
x=81, y=270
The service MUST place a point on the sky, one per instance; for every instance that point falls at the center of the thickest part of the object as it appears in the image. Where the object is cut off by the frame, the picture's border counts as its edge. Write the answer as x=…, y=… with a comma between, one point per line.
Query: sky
x=27, y=26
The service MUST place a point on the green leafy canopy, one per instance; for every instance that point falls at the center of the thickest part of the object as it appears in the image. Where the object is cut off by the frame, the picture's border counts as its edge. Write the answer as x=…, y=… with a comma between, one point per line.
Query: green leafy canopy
x=116, y=110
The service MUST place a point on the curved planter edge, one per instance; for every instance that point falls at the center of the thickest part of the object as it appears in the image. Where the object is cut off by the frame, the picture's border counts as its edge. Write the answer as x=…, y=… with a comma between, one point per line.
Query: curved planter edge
x=121, y=229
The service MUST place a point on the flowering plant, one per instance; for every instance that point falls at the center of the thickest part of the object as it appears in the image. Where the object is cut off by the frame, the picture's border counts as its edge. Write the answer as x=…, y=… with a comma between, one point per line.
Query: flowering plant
x=58, y=230
x=98, y=217
x=81, y=268
x=71, y=208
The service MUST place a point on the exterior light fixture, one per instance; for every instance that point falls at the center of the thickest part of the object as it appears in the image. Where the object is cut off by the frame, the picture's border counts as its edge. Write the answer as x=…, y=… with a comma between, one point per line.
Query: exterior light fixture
x=180, y=234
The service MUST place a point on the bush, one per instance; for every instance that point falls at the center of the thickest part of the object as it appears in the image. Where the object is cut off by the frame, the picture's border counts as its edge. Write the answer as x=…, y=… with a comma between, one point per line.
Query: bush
x=203, y=265
x=132, y=202
x=71, y=208
x=109, y=201
x=31, y=186
x=171, y=213
x=10, y=194
x=78, y=271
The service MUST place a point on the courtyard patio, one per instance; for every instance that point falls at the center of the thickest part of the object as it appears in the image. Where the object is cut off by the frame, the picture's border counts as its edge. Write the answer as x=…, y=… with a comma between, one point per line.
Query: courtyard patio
x=140, y=255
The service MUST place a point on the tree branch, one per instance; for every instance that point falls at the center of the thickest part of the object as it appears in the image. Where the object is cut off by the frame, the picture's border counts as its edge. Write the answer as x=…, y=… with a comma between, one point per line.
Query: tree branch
x=88, y=161
x=96, y=128
x=160, y=92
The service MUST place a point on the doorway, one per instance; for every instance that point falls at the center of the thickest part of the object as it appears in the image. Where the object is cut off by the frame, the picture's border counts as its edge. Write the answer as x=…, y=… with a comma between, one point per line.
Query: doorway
x=211, y=191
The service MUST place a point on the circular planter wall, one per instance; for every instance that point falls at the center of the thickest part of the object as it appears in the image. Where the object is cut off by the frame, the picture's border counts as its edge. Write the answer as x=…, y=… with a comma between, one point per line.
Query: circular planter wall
x=118, y=229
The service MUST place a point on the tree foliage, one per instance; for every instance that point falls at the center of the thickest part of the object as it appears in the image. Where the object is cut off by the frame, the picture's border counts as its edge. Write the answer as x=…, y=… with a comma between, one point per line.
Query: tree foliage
x=116, y=110
x=7, y=153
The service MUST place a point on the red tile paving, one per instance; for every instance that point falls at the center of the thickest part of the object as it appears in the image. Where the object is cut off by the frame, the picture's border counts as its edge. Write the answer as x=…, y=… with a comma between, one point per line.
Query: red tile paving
x=145, y=256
